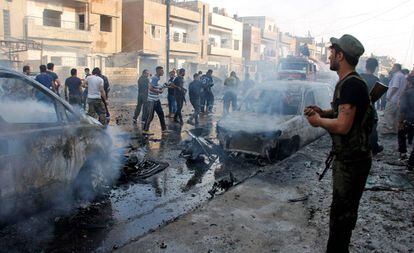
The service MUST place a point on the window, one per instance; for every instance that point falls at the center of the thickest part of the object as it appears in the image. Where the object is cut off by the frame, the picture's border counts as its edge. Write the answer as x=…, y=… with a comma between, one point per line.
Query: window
x=106, y=23
x=52, y=18
x=185, y=37
x=323, y=98
x=81, y=61
x=57, y=60
x=309, y=99
x=21, y=103
x=176, y=37
x=81, y=21
x=6, y=23
x=270, y=28
x=237, y=45
x=156, y=32
x=256, y=48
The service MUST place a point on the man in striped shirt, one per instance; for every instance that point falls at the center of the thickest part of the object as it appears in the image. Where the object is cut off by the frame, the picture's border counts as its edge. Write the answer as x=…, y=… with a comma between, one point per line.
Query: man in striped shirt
x=154, y=104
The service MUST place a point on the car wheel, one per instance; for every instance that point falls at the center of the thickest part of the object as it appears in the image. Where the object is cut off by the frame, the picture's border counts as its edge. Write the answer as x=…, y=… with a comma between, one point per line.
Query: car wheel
x=288, y=147
x=91, y=180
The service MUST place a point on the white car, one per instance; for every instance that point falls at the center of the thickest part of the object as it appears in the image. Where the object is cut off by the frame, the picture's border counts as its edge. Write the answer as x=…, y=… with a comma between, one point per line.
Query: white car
x=270, y=122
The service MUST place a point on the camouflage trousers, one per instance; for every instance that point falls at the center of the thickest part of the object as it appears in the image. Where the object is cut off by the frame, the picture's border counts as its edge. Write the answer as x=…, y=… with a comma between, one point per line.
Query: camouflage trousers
x=349, y=180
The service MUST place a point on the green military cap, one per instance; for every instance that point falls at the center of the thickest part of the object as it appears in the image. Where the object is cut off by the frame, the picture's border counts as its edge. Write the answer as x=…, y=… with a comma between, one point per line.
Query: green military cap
x=349, y=44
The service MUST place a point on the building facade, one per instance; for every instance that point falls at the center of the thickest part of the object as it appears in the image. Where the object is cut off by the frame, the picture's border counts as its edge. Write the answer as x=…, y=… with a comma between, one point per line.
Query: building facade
x=260, y=44
x=144, y=34
x=199, y=40
x=68, y=33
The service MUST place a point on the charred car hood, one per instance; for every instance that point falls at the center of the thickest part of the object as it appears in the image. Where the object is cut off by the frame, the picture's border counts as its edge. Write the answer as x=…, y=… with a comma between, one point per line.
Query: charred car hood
x=253, y=122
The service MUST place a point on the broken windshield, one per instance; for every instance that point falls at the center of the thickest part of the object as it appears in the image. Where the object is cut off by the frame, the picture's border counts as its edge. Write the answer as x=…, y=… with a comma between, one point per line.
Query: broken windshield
x=273, y=101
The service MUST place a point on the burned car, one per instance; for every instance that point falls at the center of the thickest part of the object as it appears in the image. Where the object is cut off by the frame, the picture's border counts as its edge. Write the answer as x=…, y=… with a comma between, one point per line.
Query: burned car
x=270, y=122
x=48, y=150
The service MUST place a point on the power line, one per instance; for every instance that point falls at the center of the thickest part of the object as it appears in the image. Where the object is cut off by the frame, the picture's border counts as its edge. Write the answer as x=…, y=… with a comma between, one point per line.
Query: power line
x=368, y=19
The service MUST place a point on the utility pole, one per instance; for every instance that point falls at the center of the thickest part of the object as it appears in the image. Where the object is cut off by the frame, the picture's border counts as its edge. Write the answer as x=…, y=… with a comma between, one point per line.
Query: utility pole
x=167, y=40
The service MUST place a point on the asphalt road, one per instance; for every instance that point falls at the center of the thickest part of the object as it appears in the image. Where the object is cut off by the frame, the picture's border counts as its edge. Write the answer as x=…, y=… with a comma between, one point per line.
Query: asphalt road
x=190, y=208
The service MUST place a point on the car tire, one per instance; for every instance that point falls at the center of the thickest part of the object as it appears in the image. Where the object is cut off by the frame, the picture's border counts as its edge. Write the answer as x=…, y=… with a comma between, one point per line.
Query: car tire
x=91, y=180
x=289, y=147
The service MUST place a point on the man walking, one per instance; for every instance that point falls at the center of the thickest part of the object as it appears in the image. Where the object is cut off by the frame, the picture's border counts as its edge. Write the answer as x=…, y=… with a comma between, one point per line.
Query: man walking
x=96, y=96
x=45, y=80
x=194, y=91
x=349, y=123
x=179, y=93
x=370, y=79
x=56, y=82
x=230, y=95
x=406, y=121
x=207, y=96
x=143, y=83
x=172, y=104
x=87, y=72
x=153, y=102
x=395, y=88
x=74, y=85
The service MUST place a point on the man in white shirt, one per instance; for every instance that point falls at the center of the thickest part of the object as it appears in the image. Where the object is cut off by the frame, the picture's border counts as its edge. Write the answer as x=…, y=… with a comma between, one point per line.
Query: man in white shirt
x=153, y=102
x=96, y=96
x=395, y=88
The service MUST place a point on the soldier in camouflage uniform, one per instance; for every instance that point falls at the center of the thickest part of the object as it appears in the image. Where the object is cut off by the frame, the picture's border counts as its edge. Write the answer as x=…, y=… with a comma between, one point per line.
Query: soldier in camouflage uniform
x=349, y=123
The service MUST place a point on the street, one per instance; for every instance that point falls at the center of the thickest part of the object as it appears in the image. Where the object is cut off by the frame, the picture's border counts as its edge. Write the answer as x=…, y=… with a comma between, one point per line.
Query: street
x=216, y=207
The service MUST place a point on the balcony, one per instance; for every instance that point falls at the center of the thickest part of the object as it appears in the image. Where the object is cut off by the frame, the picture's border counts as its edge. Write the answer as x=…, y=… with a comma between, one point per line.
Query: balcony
x=220, y=51
x=183, y=42
x=56, y=29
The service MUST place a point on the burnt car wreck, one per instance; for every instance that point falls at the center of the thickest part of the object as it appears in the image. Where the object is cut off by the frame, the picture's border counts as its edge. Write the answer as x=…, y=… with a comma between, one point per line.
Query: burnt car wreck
x=270, y=123
x=48, y=150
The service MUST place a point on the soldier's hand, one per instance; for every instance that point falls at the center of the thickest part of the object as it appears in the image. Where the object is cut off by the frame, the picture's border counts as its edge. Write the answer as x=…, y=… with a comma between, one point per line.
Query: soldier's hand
x=315, y=108
x=308, y=111
x=314, y=119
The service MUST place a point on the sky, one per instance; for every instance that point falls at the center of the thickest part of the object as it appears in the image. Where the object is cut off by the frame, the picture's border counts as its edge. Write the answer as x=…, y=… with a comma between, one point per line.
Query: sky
x=383, y=27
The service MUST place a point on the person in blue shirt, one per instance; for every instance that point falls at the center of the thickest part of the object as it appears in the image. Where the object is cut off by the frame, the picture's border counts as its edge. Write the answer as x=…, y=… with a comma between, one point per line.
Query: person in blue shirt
x=44, y=79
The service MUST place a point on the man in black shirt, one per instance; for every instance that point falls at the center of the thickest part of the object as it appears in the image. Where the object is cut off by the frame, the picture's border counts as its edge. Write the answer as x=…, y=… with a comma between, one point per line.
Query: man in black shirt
x=74, y=85
x=54, y=76
x=406, y=120
x=371, y=79
x=143, y=82
x=179, y=93
x=194, y=92
x=349, y=123
x=172, y=104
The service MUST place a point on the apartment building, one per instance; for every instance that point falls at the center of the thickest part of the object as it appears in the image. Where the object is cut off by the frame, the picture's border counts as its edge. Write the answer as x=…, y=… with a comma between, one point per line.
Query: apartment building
x=287, y=44
x=260, y=44
x=144, y=34
x=67, y=32
x=225, y=44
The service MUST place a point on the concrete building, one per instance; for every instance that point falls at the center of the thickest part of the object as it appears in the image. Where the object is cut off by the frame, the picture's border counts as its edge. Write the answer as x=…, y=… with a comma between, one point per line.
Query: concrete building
x=68, y=33
x=287, y=44
x=144, y=34
x=260, y=44
x=225, y=43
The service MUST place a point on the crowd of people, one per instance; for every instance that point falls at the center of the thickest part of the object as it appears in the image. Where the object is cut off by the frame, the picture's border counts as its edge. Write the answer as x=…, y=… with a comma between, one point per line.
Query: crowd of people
x=200, y=94
x=397, y=106
x=90, y=92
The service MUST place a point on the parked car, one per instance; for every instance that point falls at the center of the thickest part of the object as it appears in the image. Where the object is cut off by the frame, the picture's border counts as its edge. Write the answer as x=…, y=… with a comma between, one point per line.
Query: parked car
x=270, y=123
x=47, y=149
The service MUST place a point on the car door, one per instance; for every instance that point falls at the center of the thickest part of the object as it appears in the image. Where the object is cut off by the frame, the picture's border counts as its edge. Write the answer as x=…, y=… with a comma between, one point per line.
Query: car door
x=31, y=134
